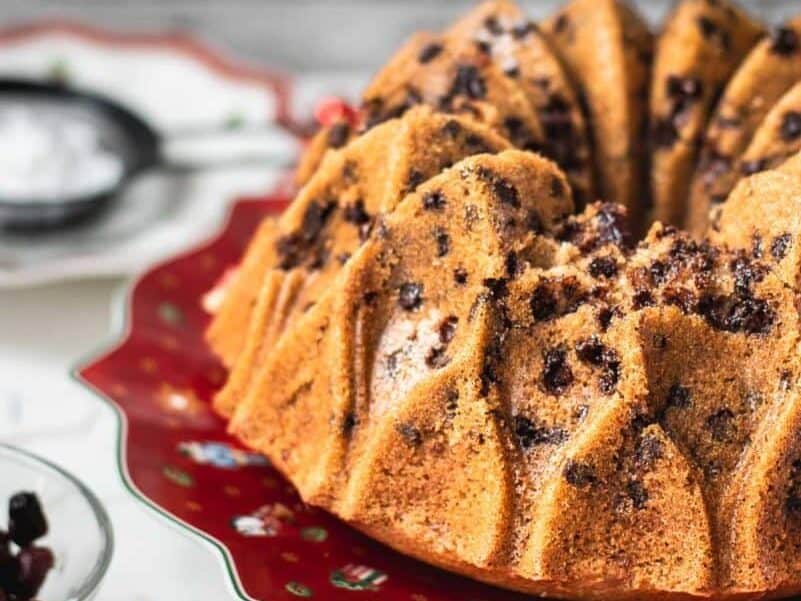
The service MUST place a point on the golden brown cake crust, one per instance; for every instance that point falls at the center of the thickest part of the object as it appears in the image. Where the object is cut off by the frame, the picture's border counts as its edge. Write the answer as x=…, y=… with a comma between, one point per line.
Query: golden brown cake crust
x=232, y=318
x=769, y=70
x=607, y=50
x=329, y=137
x=777, y=139
x=701, y=45
x=331, y=216
x=778, y=136
x=518, y=47
x=456, y=76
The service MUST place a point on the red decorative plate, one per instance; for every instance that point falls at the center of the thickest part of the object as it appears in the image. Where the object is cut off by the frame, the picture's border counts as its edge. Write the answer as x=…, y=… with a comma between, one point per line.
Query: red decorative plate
x=174, y=453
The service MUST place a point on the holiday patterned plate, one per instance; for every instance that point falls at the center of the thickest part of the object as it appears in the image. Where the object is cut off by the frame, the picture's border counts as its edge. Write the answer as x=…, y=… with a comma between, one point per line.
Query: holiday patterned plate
x=175, y=456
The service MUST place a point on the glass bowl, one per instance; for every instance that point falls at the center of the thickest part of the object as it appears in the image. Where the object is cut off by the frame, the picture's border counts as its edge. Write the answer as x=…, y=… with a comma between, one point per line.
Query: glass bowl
x=80, y=533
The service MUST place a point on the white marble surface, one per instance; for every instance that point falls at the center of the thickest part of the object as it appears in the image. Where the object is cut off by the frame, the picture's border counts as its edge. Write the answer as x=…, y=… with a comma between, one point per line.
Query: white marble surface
x=44, y=332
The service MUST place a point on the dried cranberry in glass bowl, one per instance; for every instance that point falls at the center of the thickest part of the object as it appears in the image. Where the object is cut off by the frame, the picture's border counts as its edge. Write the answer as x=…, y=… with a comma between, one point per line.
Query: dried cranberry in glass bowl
x=23, y=566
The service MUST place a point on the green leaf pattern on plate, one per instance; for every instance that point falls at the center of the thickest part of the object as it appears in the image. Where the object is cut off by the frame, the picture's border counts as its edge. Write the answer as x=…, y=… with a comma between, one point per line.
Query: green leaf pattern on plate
x=178, y=476
x=314, y=534
x=170, y=314
x=298, y=589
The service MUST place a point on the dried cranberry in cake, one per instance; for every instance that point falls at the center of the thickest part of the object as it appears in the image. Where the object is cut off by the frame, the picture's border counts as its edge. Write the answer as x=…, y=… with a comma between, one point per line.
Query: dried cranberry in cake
x=355, y=213
x=792, y=502
x=530, y=434
x=429, y=52
x=737, y=312
x=557, y=376
x=600, y=224
x=414, y=179
x=659, y=272
x=746, y=272
x=442, y=241
x=791, y=126
x=780, y=246
x=720, y=425
x=557, y=187
x=649, y=449
x=447, y=329
x=410, y=434
x=298, y=247
x=591, y=350
x=436, y=357
x=684, y=299
x=513, y=266
x=642, y=298
x=684, y=89
x=561, y=23
x=498, y=287
x=348, y=423
x=753, y=166
x=664, y=133
x=552, y=298
x=637, y=493
x=659, y=341
x=452, y=128
x=491, y=361
x=517, y=132
x=338, y=134
x=468, y=82
x=410, y=296
x=314, y=219
x=605, y=267
x=534, y=223
x=433, y=201
x=708, y=27
x=678, y=396
x=579, y=474
x=605, y=314
x=543, y=302
x=783, y=40
x=505, y=192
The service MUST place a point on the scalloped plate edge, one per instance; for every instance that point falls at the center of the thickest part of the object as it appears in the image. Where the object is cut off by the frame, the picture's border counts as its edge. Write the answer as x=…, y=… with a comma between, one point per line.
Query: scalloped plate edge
x=121, y=334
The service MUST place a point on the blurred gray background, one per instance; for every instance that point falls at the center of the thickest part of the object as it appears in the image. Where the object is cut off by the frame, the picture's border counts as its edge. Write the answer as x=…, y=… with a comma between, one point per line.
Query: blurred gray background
x=301, y=35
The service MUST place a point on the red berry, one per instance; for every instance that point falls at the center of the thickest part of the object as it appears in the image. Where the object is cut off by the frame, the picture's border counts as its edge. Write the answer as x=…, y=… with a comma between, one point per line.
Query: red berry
x=33, y=564
x=26, y=521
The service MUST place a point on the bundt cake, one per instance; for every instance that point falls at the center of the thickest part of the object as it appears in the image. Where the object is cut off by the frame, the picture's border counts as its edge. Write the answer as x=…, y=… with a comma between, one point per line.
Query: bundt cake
x=449, y=343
